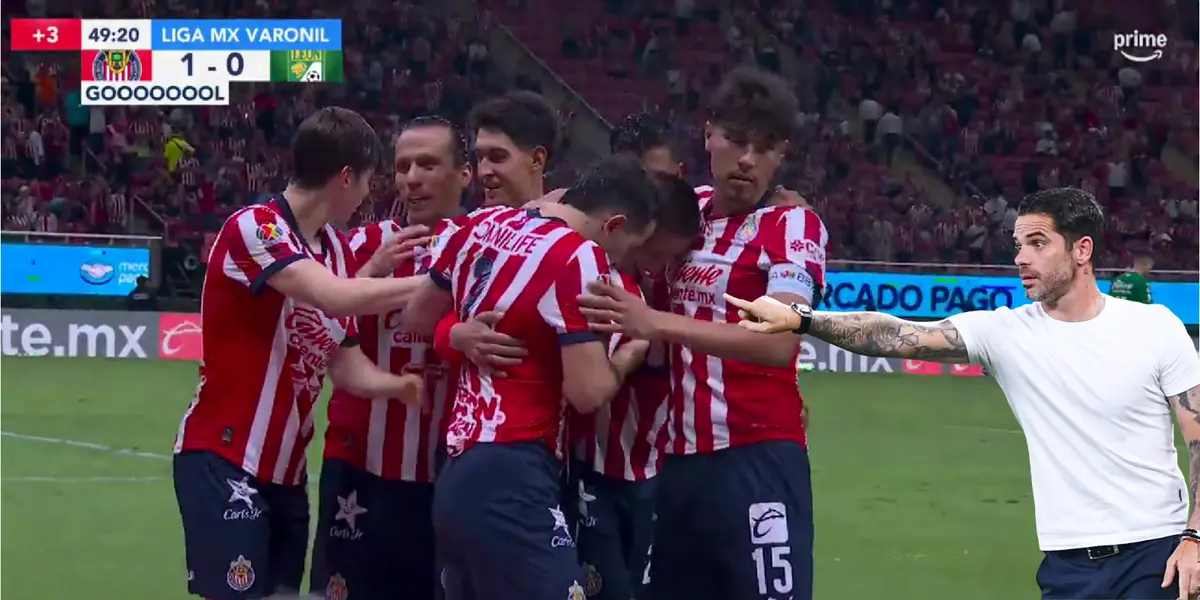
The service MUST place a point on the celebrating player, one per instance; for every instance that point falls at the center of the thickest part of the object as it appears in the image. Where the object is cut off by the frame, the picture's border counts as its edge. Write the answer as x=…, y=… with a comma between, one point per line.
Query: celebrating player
x=375, y=533
x=623, y=442
x=499, y=525
x=646, y=136
x=735, y=492
x=1091, y=379
x=516, y=135
x=277, y=304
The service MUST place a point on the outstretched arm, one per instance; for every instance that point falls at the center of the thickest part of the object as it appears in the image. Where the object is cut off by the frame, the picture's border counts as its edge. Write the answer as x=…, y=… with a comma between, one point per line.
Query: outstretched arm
x=870, y=333
x=879, y=334
x=1187, y=413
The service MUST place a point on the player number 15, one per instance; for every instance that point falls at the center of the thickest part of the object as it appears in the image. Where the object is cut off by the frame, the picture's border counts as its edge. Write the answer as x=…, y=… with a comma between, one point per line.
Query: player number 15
x=234, y=63
x=778, y=559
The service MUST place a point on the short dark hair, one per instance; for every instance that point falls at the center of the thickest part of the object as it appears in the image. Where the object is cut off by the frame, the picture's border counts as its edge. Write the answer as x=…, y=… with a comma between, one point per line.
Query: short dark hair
x=639, y=133
x=458, y=142
x=1075, y=213
x=619, y=184
x=755, y=102
x=330, y=140
x=527, y=118
x=678, y=207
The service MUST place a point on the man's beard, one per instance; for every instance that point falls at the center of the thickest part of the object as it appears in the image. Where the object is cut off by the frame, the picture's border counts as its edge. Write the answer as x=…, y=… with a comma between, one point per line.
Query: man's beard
x=1056, y=283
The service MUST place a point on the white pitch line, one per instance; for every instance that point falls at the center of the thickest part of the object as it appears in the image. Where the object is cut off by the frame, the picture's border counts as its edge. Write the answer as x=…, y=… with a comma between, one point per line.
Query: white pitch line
x=87, y=445
x=80, y=479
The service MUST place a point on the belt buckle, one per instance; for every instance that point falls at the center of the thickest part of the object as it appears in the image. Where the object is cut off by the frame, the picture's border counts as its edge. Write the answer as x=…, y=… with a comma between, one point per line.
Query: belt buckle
x=1100, y=552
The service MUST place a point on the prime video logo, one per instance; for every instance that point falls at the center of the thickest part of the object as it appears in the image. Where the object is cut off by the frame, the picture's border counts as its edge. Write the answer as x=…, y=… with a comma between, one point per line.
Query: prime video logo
x=1140, y=47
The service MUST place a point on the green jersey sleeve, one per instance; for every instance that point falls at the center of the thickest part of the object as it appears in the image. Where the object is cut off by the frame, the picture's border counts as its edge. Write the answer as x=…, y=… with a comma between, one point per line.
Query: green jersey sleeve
x=1131, y=286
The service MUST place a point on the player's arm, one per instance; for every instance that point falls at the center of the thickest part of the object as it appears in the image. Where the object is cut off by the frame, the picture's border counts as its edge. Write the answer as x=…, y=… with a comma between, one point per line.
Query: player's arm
x=1178, y=375
x=310, y=282
x=352, y=371
x=430, y=301
x=433, y=298
x=260, y=250
x=590, y=378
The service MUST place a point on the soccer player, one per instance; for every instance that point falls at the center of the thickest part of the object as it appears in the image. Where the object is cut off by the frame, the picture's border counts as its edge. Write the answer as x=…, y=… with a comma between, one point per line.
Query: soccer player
x=500, y=529
x=516, y=135
x=734, y=494
x=375, y=532
x=1133, y=285
x=277, y=307
x=647, y=137
x=622, y=444
x=1092, y=380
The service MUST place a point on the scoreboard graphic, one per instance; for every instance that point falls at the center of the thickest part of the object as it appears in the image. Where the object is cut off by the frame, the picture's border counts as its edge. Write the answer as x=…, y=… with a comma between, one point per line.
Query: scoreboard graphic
x=142, y=62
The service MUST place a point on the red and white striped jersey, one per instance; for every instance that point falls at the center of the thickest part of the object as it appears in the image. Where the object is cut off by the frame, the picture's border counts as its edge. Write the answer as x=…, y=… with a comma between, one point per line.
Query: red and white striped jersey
x=720, y=403
x=264, y=354
x=382, y=436
x=533, y=269
x=627, y=438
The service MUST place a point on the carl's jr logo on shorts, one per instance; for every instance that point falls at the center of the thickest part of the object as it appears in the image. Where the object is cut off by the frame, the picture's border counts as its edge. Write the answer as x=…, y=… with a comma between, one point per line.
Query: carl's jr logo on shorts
x=768, y=523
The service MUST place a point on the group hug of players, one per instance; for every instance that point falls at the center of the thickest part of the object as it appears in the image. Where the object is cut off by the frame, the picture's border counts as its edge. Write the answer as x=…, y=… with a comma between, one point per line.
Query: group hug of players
x=562, y=365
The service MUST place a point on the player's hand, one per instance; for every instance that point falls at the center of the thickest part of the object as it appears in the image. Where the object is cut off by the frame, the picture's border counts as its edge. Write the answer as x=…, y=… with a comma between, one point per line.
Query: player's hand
x=552, y=197
x=1184, y=562
x=765, y=315
x=611, y=309
x=396, y=250
x=410, y=389
x=489, y=349
x=785, y=197
x=804, y=417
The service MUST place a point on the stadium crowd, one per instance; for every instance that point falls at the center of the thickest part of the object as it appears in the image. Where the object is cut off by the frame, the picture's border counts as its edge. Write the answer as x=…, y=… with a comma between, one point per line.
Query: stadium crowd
x=997, y=102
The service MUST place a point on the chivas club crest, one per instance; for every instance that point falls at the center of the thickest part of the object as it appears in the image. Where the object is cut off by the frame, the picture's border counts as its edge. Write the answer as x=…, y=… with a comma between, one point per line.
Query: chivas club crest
x=117, y=65
x=241, y=575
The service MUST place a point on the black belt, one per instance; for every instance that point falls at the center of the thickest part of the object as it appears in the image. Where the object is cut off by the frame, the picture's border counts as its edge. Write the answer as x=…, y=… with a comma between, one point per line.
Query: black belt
x=1099, y=552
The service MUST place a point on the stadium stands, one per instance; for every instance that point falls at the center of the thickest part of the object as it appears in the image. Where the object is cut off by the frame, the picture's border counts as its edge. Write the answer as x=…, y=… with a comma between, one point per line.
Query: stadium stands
x=992, y=104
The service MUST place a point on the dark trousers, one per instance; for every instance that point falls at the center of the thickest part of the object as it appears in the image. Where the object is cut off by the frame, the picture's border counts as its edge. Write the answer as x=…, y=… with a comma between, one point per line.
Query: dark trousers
x=1133, y=572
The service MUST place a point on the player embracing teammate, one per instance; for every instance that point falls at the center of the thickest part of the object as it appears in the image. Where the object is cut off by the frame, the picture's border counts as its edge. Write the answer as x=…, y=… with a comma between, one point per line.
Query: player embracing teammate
x=374, y=536
x=734, y=498
x=277, y=306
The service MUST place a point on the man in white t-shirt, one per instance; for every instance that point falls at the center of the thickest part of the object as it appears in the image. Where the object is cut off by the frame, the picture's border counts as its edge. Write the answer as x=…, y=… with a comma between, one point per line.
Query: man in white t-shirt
x=1092, y=380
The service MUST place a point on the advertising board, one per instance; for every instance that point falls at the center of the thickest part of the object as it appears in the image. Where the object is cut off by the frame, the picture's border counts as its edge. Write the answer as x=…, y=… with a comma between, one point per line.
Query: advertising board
x=78, y=333
x=939, y=296
x=71, y=270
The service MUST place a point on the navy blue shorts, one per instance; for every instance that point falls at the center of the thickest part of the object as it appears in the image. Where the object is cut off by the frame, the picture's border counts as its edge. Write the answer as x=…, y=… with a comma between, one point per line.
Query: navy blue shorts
x=1133, y=571
x=736, y=524
x=374, y=537
x=500, y=529
x=616, y=520
x=243, y=538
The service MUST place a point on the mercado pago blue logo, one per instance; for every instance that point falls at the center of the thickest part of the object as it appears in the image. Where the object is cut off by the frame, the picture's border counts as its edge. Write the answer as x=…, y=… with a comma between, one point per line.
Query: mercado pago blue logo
x=96, y=269
x=939, y=296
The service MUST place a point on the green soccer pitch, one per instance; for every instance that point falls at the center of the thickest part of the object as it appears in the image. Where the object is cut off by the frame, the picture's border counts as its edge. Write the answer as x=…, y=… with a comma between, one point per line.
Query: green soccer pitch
x=921, y=483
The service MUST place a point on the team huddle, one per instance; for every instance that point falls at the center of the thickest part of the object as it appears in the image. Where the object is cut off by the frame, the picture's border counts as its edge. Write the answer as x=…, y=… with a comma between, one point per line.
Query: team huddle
x=563, y=365
x=574, y=394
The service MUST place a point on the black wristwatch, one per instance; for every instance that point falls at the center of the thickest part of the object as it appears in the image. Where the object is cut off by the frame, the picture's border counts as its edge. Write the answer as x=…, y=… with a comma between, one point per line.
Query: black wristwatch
x=806, y=317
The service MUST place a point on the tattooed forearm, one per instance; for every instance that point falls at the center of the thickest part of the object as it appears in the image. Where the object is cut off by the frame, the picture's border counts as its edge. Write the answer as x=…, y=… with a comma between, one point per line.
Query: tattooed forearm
x=1187, y=414
x=878, y=334
x=1186, y=403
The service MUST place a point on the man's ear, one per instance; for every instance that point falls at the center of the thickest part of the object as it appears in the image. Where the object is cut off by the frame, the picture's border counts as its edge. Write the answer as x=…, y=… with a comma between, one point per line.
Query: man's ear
x=614, y=223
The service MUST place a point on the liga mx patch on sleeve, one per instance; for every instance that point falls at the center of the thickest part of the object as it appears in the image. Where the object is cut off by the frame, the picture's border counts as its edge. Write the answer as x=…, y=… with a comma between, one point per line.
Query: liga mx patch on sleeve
x=116, y=65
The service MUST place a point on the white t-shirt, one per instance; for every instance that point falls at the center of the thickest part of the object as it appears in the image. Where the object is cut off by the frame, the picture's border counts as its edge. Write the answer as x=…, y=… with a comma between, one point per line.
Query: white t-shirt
x=1091, y=399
